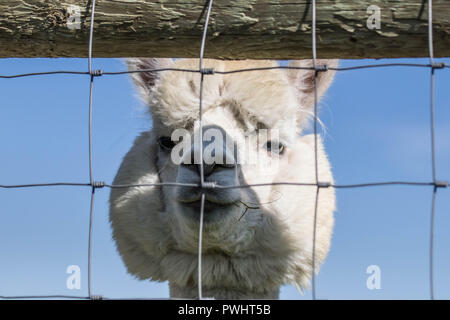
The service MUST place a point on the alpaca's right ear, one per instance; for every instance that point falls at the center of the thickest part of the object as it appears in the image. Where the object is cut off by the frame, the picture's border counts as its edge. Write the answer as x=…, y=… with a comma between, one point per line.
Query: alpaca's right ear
x=303, y=79
x=145, y=80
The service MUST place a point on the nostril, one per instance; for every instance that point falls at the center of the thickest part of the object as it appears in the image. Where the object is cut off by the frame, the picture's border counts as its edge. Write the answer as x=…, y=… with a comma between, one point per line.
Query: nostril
x=209, y=169
x=192, y=167
x=227, y=165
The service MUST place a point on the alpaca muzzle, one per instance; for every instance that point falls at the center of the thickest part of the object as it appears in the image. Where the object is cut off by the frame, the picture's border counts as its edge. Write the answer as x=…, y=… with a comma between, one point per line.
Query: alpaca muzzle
x=219, y=165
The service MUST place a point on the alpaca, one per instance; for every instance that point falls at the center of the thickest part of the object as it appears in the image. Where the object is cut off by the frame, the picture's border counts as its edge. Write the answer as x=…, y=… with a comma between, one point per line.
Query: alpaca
x=255, y=239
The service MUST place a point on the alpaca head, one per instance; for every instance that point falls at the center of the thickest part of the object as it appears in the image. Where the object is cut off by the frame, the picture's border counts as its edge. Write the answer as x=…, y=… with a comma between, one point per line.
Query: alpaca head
x=254, y=238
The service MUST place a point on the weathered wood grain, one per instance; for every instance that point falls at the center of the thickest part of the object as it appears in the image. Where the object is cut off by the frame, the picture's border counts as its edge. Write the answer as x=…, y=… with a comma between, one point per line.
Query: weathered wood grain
x=238, y=29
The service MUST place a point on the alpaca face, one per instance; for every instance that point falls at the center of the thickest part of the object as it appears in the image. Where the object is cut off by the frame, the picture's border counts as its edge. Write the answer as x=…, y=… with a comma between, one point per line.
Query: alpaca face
x=222, y=169
x=255, y=238
x=232, y=156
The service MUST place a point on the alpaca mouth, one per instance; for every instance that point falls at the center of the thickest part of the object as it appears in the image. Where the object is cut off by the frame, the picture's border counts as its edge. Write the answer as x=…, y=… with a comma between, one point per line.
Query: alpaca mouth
x=208, y=206
x=214, y=210
x=191, y=196
x=210, y=203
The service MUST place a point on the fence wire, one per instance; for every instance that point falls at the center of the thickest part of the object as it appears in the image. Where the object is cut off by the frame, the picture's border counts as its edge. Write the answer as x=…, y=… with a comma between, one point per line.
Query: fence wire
x=95, y=184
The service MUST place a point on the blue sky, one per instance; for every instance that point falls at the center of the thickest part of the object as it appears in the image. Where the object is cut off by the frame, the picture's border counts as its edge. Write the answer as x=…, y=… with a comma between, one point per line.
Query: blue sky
x=377, y=129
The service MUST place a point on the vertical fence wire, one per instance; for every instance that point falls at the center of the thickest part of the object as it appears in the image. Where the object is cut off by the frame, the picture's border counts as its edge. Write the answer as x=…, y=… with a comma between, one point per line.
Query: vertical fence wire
x=91, y=181
x=202, y=176
x=433, y=152
x=316, y=164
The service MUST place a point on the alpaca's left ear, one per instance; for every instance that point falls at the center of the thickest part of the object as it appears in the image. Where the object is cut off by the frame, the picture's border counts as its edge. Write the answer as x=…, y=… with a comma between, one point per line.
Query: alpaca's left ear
x=303, y=79
x=145, y=80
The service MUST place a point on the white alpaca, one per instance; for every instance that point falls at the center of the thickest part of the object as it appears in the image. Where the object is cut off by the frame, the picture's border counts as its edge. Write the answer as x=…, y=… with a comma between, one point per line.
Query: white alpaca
x=255, y=239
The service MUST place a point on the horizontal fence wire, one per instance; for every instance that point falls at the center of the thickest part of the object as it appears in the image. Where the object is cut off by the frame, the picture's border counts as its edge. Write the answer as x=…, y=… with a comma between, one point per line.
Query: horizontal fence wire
x=437, y=184
x=438, y=65
x=95, y=184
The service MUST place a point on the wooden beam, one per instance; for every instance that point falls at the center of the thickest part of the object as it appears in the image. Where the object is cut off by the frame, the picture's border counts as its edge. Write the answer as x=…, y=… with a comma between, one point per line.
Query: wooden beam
x=238, y=29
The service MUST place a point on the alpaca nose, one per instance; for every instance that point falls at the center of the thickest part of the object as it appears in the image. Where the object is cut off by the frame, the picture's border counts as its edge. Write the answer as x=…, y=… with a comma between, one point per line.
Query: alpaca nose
x=217, y=153
x=212, y=162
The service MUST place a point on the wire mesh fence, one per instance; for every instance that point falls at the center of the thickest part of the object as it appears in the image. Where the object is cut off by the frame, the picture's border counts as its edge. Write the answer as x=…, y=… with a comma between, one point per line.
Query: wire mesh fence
x=94, y=184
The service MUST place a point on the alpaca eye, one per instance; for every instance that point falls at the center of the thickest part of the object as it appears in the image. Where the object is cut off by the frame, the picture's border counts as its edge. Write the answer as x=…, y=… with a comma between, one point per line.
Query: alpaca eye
x=274, y=147
x=166, y=143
